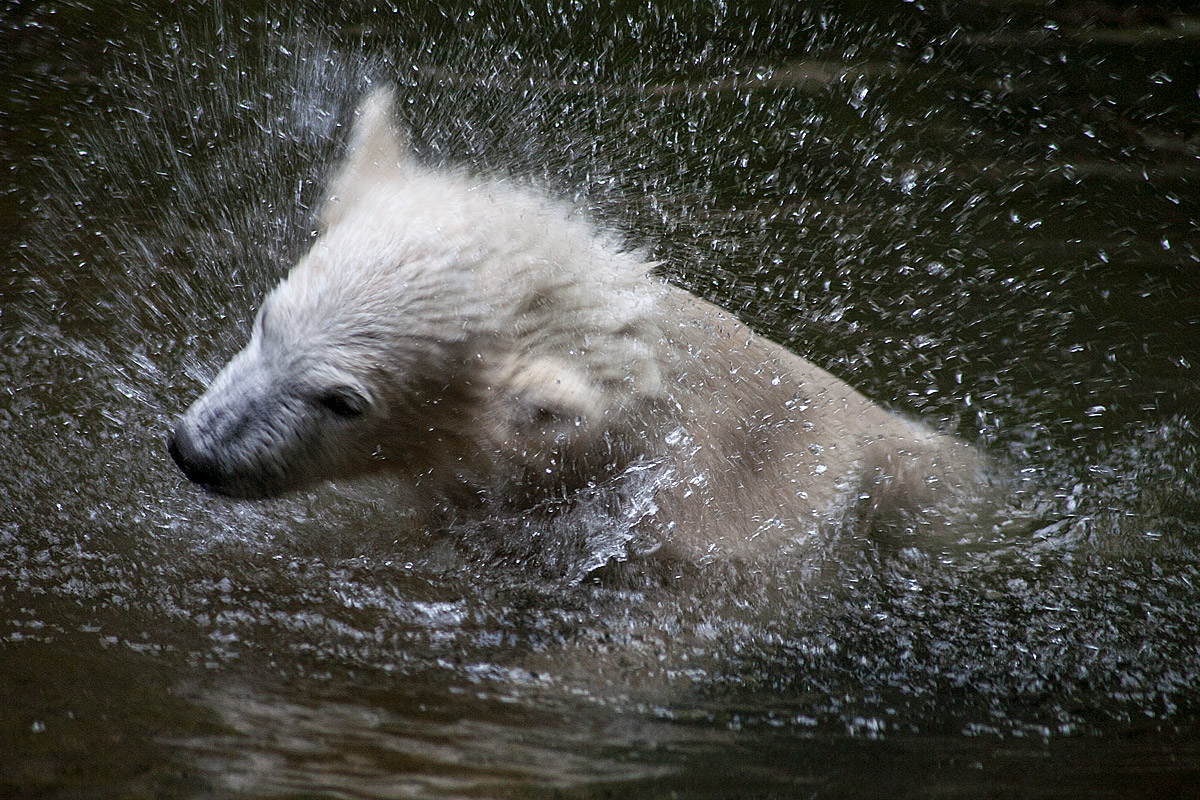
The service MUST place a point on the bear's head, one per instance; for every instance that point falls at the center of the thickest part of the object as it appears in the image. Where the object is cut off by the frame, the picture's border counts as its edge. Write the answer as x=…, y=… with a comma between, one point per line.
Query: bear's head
x=450, y=329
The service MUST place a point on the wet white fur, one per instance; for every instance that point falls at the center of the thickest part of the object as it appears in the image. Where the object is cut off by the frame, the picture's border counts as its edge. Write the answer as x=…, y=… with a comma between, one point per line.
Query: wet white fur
x=504, y=351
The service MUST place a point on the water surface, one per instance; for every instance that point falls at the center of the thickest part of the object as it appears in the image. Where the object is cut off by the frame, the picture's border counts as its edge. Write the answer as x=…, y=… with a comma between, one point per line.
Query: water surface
x=987, y=220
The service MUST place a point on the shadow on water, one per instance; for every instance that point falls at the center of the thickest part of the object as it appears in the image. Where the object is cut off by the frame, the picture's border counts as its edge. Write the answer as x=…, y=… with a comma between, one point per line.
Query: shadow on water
x=985, y=219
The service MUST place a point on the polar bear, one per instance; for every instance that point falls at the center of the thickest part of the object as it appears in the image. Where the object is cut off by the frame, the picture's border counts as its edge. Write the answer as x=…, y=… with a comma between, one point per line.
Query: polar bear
x=491, y=349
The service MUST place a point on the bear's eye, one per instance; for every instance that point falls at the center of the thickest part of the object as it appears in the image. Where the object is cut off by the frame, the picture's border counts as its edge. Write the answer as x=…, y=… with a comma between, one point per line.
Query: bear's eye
x=343, y=402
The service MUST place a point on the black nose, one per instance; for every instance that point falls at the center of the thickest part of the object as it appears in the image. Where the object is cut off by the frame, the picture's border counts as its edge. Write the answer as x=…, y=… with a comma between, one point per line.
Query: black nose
x=195, y=465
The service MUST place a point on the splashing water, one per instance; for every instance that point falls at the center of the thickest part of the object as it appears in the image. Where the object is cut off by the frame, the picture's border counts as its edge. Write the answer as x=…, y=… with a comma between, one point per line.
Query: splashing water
x=931, y=221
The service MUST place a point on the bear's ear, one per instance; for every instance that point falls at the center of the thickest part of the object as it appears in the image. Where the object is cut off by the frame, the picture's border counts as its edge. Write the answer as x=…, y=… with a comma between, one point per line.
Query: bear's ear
x=547, y=398
x=377, y=147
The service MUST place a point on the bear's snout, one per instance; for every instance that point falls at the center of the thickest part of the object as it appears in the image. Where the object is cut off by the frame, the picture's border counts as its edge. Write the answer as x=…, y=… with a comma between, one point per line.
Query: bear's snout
x=195, y=465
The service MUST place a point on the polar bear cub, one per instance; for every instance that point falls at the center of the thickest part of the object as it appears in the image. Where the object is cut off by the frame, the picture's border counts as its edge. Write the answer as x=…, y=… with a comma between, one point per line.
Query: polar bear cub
x=491, y=350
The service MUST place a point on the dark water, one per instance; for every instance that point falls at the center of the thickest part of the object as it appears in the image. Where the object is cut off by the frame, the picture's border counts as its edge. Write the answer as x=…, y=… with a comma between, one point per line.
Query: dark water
x=989, y=218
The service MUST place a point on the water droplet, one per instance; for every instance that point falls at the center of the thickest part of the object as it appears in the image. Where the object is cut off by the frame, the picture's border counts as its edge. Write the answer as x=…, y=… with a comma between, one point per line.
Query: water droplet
x=858, y=96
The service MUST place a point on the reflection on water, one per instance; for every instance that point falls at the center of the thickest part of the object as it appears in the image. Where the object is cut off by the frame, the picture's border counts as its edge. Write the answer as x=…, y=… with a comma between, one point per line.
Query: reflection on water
x=991, y=226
